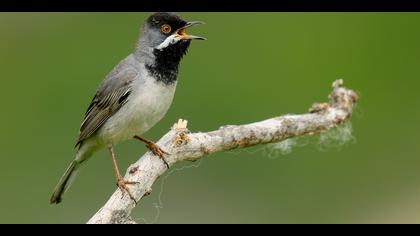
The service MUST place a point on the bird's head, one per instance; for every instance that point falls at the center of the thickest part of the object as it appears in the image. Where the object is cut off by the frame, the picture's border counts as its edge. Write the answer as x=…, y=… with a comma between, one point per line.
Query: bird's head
x=167, y=32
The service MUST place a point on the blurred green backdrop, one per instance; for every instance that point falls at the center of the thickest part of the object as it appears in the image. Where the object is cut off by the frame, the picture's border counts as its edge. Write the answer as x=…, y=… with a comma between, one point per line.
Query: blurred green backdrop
x=253, y=66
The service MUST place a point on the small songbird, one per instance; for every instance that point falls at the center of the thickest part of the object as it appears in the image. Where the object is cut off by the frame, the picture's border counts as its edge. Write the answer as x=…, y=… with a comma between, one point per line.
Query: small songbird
x=134, y=96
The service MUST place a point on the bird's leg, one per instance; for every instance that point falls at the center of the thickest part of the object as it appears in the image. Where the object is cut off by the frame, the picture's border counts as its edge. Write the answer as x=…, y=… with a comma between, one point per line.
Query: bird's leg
x=121, y=182
x=154, y=148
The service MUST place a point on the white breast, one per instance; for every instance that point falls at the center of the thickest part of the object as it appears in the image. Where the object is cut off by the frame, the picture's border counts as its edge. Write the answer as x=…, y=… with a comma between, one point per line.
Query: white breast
x=147, y=104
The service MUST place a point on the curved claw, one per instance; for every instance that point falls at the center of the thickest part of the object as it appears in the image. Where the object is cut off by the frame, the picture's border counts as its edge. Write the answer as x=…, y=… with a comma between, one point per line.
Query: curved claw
x=156, y=150
x=122, y=185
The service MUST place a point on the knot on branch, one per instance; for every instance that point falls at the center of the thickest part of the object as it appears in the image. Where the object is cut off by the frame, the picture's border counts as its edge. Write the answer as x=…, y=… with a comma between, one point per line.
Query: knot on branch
x=341, y=97
x=181, y=133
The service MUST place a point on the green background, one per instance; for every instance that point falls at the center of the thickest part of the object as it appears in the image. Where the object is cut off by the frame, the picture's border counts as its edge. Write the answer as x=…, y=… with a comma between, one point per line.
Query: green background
x=253, y=66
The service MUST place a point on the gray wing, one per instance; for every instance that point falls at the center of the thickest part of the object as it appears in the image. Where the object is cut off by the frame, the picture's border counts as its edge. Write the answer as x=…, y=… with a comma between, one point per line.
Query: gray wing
x=111, y=95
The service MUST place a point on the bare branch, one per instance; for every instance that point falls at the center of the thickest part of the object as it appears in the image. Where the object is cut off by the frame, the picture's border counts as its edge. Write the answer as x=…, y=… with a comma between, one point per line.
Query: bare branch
x=183, y=145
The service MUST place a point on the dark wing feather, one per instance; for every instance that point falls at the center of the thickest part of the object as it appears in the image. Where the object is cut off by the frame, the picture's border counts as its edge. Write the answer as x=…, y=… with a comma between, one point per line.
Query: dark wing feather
x=112, y=94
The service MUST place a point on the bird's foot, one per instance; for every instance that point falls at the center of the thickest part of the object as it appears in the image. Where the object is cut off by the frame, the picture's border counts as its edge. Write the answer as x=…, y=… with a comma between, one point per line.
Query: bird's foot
x=156, y=150
x=122, y=185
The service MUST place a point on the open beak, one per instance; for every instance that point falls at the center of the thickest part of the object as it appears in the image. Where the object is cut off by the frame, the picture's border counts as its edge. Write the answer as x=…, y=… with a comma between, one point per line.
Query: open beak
x=181, y=32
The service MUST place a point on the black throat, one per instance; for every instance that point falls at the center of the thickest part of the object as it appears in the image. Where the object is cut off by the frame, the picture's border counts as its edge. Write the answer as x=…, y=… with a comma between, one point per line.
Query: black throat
x=166, y=64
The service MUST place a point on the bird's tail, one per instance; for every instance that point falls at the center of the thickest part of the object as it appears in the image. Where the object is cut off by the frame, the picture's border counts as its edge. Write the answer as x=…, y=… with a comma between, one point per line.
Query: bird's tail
x=65, y=182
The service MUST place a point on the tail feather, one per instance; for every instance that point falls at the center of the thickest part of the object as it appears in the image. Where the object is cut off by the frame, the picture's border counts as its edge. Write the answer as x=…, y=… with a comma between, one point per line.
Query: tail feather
x=64, y=182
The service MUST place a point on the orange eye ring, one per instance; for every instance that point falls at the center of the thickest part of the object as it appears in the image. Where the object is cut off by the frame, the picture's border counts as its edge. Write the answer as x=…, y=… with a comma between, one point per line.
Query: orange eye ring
x=165, y=29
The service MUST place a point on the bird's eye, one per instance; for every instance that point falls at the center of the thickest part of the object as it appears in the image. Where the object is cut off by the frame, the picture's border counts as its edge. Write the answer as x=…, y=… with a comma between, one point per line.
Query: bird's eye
x=165, y=29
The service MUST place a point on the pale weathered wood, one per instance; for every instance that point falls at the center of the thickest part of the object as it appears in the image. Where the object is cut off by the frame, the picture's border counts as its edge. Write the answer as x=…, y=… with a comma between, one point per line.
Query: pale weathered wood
x=183, y=145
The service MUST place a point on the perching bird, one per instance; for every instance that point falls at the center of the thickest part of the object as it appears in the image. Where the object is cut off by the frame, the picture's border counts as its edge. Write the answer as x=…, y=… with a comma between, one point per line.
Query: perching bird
x=134, y=96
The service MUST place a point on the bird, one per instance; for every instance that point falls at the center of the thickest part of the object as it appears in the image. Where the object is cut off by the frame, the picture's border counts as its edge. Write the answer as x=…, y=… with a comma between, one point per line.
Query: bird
x=133, y=97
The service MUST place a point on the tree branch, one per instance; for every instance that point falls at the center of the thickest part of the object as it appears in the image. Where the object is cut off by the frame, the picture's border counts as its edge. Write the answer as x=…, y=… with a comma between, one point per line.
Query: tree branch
x=183, y=145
